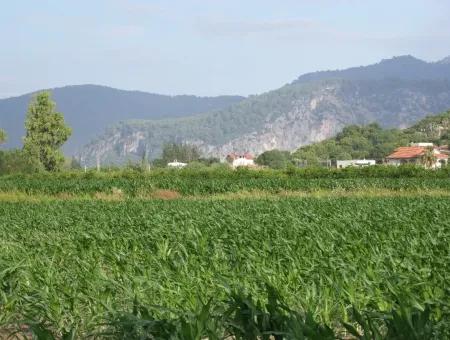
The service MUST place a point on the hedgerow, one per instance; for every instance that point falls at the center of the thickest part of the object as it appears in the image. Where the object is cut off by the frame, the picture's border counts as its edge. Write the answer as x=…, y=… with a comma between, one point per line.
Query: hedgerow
x=213, y=181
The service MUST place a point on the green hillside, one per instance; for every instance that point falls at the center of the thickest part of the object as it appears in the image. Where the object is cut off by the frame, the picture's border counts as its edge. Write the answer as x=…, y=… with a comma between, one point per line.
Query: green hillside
x=373, y=142
x=89, y=109
x=394, y=93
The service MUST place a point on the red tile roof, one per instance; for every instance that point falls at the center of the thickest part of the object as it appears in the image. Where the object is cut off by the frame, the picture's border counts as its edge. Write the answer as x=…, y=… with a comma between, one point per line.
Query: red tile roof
x=407, y=152
x=234, y=155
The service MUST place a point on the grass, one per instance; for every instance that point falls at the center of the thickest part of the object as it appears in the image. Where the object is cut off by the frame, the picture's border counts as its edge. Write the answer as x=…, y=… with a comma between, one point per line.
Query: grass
x=118, y=195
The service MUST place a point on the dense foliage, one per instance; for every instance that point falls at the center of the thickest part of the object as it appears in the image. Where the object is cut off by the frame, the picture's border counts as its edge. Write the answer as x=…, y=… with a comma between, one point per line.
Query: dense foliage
x=194, y=181
x=435, y=129
x=72, y=264
x=16, y=161
x=46, y=132
x=275, y=159
x=180, y=152
x=373, y=142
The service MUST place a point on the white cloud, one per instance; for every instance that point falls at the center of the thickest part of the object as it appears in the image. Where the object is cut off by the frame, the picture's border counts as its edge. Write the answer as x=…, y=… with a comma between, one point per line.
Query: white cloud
x=138, y=8
x=124, y=31
x=243, y=27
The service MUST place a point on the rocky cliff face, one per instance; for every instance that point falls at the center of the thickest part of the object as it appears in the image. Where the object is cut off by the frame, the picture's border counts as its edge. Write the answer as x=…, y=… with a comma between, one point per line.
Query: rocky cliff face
x=294, y=115
x=326, y=111
x=298, y=126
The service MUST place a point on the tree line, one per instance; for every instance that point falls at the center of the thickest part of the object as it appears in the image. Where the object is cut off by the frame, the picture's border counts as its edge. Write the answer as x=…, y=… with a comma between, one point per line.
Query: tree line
x=46, y=132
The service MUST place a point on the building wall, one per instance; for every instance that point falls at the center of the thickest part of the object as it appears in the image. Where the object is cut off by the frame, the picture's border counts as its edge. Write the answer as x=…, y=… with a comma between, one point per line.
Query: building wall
x=243, y=162
x=395, y=162
x=416, y=161
x=355, y=163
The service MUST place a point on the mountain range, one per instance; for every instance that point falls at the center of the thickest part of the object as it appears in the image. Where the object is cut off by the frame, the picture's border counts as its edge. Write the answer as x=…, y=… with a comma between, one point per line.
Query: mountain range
x=394, y=93
x=89, y=109
x=112, y=125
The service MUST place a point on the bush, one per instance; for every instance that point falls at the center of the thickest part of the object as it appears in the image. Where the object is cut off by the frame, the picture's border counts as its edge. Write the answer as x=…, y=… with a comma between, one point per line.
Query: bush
x=16, y=161
x=274, y=159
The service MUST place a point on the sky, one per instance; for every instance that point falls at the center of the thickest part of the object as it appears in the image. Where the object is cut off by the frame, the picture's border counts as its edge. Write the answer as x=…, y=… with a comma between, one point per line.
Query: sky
x=207, y=47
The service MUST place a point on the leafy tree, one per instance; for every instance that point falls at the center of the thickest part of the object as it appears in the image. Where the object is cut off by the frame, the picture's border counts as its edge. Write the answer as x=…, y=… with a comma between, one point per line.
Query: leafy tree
x=16, y=161
x=275, y=159
x=3, y=136
x=46, y=132
x=180, y=152
x=159, y=163
x=445, y=138
x=75, y=164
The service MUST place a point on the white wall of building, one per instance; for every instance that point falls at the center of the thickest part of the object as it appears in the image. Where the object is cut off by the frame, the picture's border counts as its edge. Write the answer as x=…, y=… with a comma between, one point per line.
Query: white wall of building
x=355, y=163
x=242, y=161
x=176, y=164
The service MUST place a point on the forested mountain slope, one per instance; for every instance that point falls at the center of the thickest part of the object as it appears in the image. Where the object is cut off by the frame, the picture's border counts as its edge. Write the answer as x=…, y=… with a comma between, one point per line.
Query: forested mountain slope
x=90, y=109
x=393, y=93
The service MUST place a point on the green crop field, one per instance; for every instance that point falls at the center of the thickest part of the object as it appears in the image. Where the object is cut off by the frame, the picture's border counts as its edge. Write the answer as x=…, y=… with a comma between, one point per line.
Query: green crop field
x=129, y=254
x=78, y=265
x=189, y=182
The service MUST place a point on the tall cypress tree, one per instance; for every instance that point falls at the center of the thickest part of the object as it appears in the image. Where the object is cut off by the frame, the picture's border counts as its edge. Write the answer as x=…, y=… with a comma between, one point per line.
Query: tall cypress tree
x=46, y=132
x=3, y=136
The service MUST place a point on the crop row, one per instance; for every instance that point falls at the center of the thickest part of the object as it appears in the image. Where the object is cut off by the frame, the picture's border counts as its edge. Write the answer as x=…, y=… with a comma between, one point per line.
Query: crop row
x=205, y=183
x=242, y=317
x=75, y=262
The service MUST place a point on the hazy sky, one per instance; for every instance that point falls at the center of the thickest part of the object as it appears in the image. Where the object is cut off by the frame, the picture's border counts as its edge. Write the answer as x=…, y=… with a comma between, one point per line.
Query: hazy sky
x=207, y=47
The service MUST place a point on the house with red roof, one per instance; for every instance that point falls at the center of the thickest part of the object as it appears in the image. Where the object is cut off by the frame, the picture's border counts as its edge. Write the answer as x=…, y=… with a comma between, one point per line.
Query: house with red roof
x=414, y=154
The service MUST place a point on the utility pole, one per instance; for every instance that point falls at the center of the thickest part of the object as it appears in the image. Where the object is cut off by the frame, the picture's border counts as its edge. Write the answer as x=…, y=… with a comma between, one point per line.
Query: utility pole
x=98, y=162
x=82, y=161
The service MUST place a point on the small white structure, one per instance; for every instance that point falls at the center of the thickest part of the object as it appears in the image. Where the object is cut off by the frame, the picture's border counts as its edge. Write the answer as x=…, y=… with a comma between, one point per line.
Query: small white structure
x=423, y=145
x=176, y=164
x=238, y=160
x=359, y=163
x=242, y=161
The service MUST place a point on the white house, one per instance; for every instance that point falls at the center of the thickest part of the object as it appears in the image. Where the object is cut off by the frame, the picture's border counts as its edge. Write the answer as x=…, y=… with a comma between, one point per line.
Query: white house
x=355, y=163
x=242, y=161
x=176, y=164
x=238, y=160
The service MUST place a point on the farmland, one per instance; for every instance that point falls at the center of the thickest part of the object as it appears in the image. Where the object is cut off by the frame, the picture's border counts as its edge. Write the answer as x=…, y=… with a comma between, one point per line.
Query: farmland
x=190, y=182
x=71, y=259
